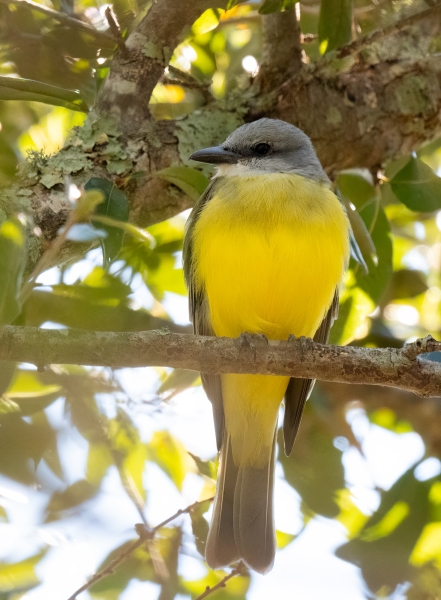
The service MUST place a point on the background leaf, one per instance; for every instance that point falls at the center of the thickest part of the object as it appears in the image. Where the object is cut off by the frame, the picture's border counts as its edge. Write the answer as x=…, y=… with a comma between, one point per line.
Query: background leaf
x=12, y=263
x=335, y=22
x=190, y=181
x=115, y=205
x=417, y=186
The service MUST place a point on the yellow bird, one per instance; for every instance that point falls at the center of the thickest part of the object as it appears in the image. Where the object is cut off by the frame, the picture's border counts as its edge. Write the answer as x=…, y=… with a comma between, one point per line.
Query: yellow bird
x=265, y=251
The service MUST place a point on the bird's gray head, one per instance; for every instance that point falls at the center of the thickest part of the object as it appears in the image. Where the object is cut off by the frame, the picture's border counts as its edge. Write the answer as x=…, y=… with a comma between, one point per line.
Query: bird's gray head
x=266, y=145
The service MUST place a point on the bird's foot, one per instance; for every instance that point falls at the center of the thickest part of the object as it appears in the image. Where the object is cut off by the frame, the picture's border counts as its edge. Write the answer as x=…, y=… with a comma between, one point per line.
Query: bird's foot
x=251, y=340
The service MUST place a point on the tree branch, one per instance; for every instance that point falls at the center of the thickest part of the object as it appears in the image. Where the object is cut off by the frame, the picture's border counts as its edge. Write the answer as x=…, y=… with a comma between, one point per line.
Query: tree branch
x=282, y=49
x=148, y=49
x=301, y=357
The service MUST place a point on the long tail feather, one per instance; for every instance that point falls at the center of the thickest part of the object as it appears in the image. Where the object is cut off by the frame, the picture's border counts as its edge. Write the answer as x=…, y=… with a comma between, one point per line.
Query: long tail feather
x=242, y=526
x=221, y=547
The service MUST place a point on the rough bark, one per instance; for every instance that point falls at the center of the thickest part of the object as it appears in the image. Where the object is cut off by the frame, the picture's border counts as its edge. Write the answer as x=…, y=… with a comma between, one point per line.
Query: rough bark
x=392, y=367
x=135, y=71
x=372, y=101
x=282, y=49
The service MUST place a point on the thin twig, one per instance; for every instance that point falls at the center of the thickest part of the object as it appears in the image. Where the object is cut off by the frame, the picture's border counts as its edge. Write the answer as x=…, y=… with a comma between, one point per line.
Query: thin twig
x=61, y=18
x=115, y=30
x=146, y=535
x=48, y=256
x=209, y=590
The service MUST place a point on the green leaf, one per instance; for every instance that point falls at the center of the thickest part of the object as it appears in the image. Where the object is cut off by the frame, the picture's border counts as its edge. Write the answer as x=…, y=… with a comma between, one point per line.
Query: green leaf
x=384, y=545
x=199, y=526
x=272, y=6
x=22, y=446
x=335, y=24
x=12, y=262
x=72, y=496
x=12, y=88
x=20, y=576
x=137, y=566
x=116, y=206
x=84, y=309
x=283, y=539
x=236, y=588
x=406, y=283
x=178, y=381
x=417, y=186
x=205, y=467
x=98, y=462
x=190, y=181
x=169, y=454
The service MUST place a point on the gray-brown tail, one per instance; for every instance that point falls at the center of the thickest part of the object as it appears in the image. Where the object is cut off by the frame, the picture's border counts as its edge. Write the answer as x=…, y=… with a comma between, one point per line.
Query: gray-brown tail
x=242, y=526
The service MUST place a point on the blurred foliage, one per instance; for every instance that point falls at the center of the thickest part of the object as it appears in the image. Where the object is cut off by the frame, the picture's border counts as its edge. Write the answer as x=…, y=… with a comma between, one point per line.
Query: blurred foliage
x=79, y=446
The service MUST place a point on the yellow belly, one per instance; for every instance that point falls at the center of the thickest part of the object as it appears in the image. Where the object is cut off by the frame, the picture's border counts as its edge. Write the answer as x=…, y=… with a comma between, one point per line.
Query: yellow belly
x=269, y=252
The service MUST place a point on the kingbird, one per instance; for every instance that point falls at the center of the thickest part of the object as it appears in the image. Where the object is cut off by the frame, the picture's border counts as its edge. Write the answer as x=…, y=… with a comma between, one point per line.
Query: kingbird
x=266, y=248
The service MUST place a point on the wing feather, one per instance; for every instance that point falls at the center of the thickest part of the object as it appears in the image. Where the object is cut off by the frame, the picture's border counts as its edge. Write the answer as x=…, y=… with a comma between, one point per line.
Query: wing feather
x=200, y=312
x=299, y=390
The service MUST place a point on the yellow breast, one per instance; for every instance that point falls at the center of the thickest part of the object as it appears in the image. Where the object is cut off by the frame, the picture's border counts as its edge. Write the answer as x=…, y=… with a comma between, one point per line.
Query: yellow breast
x=269, y=252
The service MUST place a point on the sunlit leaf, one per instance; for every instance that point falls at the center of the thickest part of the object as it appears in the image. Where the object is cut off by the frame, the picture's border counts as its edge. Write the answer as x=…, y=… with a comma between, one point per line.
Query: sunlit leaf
x=386, y=418
x=190, y=181
x=417, y=186
x=12, y=262
x=335, y=23
x=236, y=588
x=384, y=545
x=283, y=539
x=20, y=576
x=206, y=22
x=99, y=460
x=205, y=467
x=350, y=515
x=29, y=394
x=170, y=454
x=116, y=206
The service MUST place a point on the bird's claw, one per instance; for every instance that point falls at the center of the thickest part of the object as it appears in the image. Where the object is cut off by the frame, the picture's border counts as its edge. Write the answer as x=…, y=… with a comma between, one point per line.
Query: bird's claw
x=249, y=340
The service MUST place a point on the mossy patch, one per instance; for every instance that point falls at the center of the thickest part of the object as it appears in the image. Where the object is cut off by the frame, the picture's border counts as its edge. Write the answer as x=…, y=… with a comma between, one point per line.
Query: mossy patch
x=206, y=127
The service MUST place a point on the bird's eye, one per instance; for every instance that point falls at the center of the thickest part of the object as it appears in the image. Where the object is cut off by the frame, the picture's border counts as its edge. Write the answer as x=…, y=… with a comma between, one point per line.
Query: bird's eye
x=262, y=149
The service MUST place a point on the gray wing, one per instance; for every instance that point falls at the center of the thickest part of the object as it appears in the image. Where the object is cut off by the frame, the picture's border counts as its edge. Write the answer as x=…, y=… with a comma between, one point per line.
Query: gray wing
x=200, y=312
x=299, y=390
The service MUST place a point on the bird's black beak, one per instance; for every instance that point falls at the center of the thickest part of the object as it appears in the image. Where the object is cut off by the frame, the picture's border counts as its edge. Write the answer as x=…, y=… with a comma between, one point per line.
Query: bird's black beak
x=215, y=156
